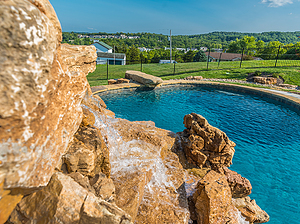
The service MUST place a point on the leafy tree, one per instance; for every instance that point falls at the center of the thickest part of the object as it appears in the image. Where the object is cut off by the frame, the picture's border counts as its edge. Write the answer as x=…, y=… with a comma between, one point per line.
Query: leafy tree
x=133, y=55
x=188, y=57
x=200, y=56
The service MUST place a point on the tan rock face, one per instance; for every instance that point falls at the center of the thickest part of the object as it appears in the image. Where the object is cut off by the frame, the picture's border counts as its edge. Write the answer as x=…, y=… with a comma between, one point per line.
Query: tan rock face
x=87, y=153
x=40, y=92
x=250, y=210
x=205, y=145
x=213, y=200
x=240, y=186
x=65, y=201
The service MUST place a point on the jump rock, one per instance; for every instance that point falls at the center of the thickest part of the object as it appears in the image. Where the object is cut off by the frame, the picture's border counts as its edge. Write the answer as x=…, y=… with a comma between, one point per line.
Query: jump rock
x=65, y=201
x=143, y=78
x=240, y=186
x=205, y=145
x=212, y=200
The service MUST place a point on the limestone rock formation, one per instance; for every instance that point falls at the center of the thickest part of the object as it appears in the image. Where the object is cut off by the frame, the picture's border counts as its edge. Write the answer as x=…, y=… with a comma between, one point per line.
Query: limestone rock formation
x=143, y=78
x=65, y=201
x=212, y=200
x=87, y=152
x=240, y=186
x=35, y=130
x=205, y=145
x=265, y=80
x=250, y=210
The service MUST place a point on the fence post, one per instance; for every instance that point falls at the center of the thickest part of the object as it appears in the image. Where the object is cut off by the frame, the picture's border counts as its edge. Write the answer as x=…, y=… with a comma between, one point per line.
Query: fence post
x=277, y=56
x=208, y=58
x=174, y=65
x=107, y=69
x=219, y=59
x=141, y=64
x=242, y=58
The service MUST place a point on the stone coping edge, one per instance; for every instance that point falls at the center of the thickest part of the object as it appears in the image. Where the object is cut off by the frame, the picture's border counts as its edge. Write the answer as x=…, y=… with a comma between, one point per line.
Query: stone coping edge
x=282, y=97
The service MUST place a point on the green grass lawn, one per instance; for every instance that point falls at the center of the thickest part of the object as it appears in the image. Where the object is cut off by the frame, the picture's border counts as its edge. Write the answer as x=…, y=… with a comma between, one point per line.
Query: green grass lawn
x=227, y=70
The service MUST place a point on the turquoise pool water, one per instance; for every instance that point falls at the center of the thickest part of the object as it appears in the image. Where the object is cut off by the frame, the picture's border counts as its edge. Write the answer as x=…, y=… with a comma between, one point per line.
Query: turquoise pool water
x=267, y=135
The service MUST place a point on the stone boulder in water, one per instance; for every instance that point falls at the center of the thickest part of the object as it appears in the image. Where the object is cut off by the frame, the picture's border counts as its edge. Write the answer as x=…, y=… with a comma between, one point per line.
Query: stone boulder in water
x=205, y=145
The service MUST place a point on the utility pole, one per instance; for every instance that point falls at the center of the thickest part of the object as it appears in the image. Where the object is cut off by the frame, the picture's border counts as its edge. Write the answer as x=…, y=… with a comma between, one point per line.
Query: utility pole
x=114, y=55
x=170, y=47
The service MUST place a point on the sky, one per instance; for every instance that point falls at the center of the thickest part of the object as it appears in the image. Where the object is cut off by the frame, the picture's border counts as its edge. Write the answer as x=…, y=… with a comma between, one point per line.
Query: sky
x=181, y=16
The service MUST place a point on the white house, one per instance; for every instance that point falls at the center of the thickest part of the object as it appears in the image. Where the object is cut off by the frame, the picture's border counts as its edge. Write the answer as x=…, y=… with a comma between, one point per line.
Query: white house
x=105, y=55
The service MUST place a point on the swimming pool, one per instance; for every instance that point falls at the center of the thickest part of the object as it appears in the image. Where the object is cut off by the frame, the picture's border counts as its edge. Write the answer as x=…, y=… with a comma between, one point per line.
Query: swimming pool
x=267, y=134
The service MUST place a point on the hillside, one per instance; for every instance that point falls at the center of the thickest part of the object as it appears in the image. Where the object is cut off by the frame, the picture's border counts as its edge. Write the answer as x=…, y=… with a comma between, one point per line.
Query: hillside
x=214, y=39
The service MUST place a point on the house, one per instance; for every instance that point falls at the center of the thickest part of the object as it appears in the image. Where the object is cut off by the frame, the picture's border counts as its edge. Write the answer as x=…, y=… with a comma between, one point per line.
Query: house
x=111, y=58
x=166, y=61
x=103, y=47
x=105, y=55
x=216, y=56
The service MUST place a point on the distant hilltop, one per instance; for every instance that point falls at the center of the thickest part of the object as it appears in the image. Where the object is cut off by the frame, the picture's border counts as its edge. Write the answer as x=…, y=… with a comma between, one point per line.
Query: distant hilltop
x=218, y=39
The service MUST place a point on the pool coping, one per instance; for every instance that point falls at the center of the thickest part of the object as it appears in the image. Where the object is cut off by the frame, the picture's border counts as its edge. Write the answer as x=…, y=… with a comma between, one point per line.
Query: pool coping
x=290, y=99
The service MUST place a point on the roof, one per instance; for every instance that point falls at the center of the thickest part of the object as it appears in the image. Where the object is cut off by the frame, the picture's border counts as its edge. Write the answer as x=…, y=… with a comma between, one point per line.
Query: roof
x=111, y=55
x=224, y=56
x=103, y=44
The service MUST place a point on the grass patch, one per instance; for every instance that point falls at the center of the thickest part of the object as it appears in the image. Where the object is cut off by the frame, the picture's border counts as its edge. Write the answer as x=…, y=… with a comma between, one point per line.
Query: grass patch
x=227, y=70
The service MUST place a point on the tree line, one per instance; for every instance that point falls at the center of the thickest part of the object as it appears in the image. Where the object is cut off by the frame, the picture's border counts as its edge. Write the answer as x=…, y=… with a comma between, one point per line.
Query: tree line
x=263, y=45
x=210, y=40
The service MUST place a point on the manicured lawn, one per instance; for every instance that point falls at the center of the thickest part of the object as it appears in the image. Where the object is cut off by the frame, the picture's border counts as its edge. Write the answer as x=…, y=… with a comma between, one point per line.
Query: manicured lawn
x=229, y=70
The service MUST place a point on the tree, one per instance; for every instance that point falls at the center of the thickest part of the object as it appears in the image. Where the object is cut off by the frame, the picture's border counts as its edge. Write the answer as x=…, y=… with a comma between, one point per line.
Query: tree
x=133, y=55
x=200, y=56
x=188, y=57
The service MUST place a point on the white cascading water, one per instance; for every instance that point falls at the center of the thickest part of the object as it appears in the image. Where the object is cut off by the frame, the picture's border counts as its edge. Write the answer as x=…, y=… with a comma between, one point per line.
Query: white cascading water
x=137, y=155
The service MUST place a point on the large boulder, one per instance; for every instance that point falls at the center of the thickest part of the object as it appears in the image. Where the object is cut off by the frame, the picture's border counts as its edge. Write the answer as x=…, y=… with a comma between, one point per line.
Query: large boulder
x=212, y=200
x=205, y=145
x=41, y=87
x=40, y=92
x=240, y=186
x=65, y=201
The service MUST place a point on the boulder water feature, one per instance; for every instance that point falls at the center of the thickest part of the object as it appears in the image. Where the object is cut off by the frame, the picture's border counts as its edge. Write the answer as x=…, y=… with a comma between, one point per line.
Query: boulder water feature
x=65, y=158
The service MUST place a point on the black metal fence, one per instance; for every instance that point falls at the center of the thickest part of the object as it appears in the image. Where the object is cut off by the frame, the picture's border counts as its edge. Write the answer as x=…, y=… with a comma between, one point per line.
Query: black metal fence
x=281, y=56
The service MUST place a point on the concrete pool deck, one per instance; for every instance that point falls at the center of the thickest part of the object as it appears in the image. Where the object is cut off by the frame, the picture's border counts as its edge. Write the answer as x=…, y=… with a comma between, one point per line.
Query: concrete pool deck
x=288, y=98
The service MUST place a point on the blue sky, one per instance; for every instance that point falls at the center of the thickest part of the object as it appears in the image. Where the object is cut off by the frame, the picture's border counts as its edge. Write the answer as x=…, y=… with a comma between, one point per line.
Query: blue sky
x=183, y=17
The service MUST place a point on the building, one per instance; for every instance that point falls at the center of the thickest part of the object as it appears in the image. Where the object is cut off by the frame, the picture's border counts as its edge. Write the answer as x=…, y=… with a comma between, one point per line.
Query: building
x=103, y=47
x=216, y=56
x=166, y=61
x=105, y=54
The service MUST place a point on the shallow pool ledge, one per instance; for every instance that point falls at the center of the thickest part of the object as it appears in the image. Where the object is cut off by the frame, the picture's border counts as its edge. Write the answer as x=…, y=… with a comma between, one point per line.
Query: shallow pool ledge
x=290, y=99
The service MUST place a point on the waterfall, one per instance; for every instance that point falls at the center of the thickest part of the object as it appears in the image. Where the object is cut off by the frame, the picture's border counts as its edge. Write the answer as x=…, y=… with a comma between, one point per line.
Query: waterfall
x=136, y=155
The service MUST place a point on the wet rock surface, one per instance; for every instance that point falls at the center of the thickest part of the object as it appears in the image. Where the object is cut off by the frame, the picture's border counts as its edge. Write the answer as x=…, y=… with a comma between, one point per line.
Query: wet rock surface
x=250, y=210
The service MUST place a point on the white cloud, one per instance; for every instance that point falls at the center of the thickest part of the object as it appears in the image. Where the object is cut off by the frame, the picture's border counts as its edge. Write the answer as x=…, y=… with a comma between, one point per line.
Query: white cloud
x=277, y=3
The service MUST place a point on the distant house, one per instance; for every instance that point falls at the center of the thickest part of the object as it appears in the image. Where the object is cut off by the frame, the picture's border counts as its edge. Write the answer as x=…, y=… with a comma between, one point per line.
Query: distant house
x=166, y=61
x=105, y=55
x=103, y=47
x=216, y=56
